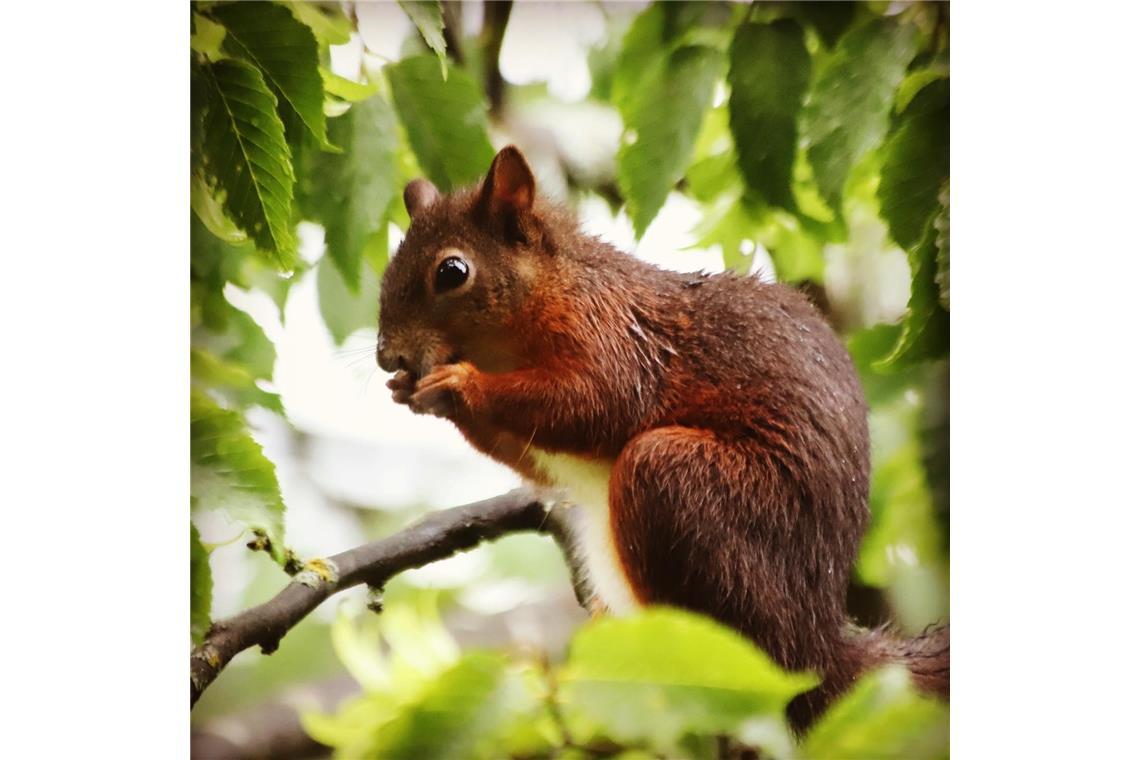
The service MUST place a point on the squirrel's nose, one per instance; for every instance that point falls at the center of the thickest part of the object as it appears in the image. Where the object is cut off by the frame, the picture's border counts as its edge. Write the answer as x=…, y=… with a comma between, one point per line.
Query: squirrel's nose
x=388, y=359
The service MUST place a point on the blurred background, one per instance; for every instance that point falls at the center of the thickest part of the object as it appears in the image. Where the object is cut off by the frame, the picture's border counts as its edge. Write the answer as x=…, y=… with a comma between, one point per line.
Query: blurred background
x=353, y=466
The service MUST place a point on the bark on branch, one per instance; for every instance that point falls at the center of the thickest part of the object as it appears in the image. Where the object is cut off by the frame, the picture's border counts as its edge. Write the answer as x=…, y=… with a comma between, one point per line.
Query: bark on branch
x=437, y=536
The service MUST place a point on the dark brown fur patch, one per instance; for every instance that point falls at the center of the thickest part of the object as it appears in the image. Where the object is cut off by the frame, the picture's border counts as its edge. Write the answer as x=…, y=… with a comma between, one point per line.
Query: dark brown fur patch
x=733, y=414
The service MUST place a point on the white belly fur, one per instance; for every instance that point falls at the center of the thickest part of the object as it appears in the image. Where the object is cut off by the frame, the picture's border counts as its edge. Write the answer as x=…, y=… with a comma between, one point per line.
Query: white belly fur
x=586, y=482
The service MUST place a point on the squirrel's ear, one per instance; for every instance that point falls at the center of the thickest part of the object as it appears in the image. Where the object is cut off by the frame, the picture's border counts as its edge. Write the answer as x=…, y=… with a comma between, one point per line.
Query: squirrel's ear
x=418, y=195
x=509, y=186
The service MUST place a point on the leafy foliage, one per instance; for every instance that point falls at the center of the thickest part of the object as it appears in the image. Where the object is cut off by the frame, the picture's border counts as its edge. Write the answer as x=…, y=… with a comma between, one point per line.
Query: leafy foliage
x=285, y=51
x=926, y=327
x=850, y=102
x=244, y=157
x=709, y=679
x=769, y=72
x=446, y=121
x=881, y=717
x=229, y=472
x=428, y=18
x=619, y=684
x=916, y=163
x=349, y=193
x=662, y=88
x=799, y=130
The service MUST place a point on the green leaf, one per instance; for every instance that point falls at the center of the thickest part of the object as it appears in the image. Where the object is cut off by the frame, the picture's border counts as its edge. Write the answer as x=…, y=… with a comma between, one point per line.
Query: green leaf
x=446, y=121
x=916, y=81
x=201, y=587
x=232, y=380
x=326, y=20
x=210, y=212
x=349, y=193
x=769, y=71
x=230, y=473
x=847, y=110
x=942, y=245
x=708, y=680
x=916, y=163
x=244, y=157
x=345, y=312
x=428, y=18
x=662, y=118
x=213, y=263
x=867, y=346
x=926, y=325
x=206, y=37
x=796, y=253
x=881, y=717
x=285, y=50
x=346, y=89
x=467, y=713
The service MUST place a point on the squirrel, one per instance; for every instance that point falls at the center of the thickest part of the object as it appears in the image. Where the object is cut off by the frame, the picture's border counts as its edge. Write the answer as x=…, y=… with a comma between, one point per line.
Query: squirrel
x=712, y=428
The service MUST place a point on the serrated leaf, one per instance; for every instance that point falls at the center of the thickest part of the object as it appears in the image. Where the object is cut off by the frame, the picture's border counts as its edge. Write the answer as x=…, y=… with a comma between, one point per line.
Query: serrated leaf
x=326, y=20
x=769, y=71
x=349, y=193
x=428, y=18
x=446, y=122
x=881, y=717
x=926, y=325
x=662, y=118
x=916, y=163
x=244, y=157
x=344, y=312
x=707, y=680
x=230, y=473
x=285, y=50
x=942, y=245
x=848, y=107
x=201, y=587
x=231, y=380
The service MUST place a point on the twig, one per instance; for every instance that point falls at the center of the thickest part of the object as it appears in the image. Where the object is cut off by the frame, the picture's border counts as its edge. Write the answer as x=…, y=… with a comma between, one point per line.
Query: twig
x=435, y=537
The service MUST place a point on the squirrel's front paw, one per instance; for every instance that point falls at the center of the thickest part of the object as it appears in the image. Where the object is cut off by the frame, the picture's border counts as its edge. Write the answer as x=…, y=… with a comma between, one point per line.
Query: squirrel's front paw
x=402, y=384
x=441, y=391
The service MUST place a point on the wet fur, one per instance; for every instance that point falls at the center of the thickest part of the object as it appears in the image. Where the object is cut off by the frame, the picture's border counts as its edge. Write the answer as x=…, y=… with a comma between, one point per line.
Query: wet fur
x=730, y=414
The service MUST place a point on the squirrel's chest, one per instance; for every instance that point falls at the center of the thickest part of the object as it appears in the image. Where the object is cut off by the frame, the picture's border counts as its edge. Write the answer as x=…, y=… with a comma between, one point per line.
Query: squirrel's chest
x=586, y=482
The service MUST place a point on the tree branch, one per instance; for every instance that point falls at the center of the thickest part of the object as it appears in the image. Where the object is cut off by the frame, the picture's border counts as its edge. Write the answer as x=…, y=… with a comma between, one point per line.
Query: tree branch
x=437, y=536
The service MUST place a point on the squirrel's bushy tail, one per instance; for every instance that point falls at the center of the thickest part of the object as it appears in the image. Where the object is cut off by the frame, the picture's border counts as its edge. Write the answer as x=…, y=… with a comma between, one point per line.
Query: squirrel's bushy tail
x=927, y=656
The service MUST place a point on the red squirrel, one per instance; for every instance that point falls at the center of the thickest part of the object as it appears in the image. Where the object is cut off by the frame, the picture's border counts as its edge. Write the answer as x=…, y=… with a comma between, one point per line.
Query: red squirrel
x=711, y=427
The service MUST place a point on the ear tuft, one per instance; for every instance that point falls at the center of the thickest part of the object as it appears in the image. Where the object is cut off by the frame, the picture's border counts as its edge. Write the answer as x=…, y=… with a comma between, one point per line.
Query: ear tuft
x=418, y=195
x=509, y=187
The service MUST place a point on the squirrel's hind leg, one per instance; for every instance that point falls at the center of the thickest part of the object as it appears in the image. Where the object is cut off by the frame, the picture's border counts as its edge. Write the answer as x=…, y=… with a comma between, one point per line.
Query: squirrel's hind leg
x=716, y=525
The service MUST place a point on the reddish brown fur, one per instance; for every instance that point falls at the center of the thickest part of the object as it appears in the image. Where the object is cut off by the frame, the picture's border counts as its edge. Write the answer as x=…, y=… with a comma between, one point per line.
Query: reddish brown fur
x=733, y=415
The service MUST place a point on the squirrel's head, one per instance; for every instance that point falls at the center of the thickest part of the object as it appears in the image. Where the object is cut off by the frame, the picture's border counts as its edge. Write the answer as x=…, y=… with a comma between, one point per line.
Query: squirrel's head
x=462, y=272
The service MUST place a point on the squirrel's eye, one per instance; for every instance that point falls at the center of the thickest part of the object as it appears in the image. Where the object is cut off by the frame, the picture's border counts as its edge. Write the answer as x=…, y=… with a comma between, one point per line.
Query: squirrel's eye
x=451, y=273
